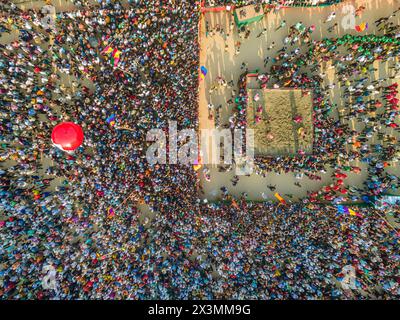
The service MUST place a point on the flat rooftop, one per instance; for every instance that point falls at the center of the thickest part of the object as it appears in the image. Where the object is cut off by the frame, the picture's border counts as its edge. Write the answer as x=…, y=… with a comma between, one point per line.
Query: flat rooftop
x=248, y=12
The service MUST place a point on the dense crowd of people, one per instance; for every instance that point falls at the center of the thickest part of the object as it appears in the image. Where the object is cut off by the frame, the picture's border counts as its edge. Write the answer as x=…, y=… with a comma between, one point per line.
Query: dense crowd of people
x=332, y=136
x=276, y=3
x=55, y=206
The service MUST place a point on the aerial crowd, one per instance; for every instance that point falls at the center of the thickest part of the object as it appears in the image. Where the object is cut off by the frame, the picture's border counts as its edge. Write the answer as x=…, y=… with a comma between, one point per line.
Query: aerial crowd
x=77, y=213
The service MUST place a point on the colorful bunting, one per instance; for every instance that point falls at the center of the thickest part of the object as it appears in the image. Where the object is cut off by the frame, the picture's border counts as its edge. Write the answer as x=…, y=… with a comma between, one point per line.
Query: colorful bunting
x=111, y=120
x=204, y=72
x=345, y=210
x=110, y=213
x=281, y=200
x=197, y=164
x=107, y=50
x=362, y=27
x=114, y=53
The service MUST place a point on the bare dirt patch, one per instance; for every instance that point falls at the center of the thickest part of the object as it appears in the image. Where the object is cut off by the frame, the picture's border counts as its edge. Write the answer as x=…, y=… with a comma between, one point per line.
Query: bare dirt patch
x=281, y=120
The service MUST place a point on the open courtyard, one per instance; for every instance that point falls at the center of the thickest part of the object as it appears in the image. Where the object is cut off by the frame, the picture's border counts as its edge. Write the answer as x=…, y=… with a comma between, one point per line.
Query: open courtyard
x=230, y=55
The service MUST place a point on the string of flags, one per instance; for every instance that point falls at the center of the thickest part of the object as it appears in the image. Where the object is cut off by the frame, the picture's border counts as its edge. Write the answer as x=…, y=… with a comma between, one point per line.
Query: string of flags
x=281, y=200
x=114, y=53
x=111, y=120
x=110, y=213
x=361, y=27
x=345, y=210
x=204, y=72
x=197, y=164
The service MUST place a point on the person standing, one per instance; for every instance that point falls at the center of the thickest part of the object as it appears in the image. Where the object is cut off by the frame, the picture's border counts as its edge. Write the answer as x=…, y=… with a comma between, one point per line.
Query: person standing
x=281, y=25
x=262, y=33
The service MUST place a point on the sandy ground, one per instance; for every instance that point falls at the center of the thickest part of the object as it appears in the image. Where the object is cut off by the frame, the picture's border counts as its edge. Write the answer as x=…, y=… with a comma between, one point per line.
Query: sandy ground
x=271, y=118
x=218, y=56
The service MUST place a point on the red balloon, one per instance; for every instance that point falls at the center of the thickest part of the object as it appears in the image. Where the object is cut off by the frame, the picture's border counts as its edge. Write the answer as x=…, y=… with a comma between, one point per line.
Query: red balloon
x=68, y=136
